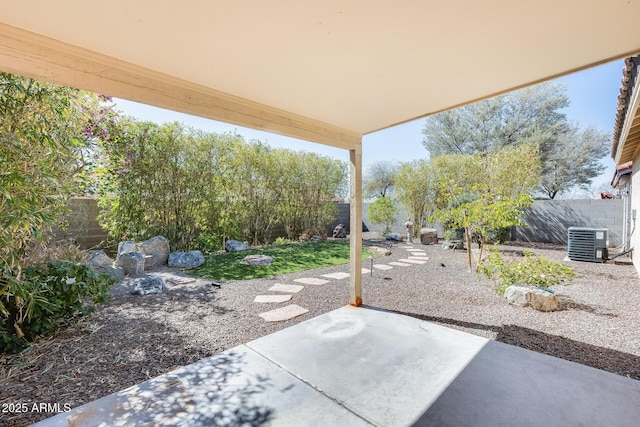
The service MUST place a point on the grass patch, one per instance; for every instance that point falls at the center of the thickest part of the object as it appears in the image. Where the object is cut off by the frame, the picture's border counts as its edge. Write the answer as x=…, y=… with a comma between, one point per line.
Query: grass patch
x=287, y=258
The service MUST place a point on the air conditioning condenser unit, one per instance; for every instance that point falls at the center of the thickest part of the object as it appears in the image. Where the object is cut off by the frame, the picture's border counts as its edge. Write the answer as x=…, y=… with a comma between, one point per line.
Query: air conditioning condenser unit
x=588, y=244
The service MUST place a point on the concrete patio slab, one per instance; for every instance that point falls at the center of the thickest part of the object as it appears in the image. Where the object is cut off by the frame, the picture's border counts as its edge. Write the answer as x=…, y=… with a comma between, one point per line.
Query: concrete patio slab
x=279, y=287
x=338, y=275
x=311, y=281
x=271, y=298
x=233, y=388
x=399, y=264
x=366, y=366
x=366, y=271
x=382, y=266
x=419, y=258
x=283, y=313
x=412, y=261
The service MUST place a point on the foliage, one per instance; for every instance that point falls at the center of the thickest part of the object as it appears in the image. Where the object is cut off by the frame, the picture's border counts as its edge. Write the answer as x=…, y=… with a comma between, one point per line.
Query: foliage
x=383, y=211
x=282, y=241
x=416, y=189
x=570, y=156
x=533, y=270
x=379, y=179
x=482, y=193
x=43, y=297
x=573, y=159
x=180, y=183
x=288, y=258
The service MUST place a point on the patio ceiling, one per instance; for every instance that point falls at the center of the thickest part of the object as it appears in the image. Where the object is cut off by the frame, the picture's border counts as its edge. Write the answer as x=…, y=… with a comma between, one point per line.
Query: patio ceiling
x=322, y=71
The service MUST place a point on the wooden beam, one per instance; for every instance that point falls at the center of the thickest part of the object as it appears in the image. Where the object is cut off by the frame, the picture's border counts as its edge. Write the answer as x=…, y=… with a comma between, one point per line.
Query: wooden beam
x=43, y=58
x=355, y=239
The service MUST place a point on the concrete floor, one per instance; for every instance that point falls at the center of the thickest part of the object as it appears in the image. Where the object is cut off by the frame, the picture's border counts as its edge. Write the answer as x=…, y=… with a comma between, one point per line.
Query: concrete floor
x=364, y=366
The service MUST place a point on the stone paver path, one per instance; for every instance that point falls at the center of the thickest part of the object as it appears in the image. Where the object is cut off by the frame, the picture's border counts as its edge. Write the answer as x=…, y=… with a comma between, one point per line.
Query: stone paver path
x=272, y=298
x=279, y=287
x=416, y=256
x=283, y=313
x=311, y=281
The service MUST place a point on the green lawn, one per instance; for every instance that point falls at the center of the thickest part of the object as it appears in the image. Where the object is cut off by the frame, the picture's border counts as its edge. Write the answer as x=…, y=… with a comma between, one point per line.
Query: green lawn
x=286, y=259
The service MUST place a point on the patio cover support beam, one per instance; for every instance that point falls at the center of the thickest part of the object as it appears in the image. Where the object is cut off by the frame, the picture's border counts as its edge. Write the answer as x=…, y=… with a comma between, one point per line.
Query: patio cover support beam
x=43, y=58
x=355, y=239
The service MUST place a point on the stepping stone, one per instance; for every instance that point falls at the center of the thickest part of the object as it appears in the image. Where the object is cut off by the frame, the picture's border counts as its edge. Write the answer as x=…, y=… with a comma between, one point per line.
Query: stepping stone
x=279, y=287
x=382, y=267
x=415, y=250
x=283, y=313
x=311, y=281
x=420, y=258
x=272, y=298
x=366, y=271
x=338, y=275
x=399, y=264
x=412, y=261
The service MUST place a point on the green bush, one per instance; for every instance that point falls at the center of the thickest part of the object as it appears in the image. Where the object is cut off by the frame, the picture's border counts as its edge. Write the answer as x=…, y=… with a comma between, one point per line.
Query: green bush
x=282, y=241
x=42, y=297
x=533, y=270
x=498, y=235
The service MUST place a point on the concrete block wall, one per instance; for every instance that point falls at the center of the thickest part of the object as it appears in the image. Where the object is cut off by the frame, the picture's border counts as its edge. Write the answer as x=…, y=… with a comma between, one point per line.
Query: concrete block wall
x=549, y=220
x=82, y=223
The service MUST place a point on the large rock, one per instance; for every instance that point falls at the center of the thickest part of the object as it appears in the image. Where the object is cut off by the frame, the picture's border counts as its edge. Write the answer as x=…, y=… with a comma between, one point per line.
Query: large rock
x=256, y=260
x=235, y=246
x=428, y=236
x=186, y=259
x=379, y=250
x=101, y=263
x=537, y=299
x=132, y=263
x=126, y=247
x=157, y=251
x=395, y=237
x=340, y=232
x=148, y=285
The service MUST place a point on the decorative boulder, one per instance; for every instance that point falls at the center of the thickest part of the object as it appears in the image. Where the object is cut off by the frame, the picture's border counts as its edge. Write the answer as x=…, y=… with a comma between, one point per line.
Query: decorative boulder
x=235, y=246
x=315, y=238
x=454, y=244
x=340, y=232
x=126, y=247
x=537, y=299
x=379, y=250
x=132, y=263
x=395, y=237
x=148, y=285
x=186, y=259
x=157, y=251
x=101, y=263
x=256, y=260
x=428, y=236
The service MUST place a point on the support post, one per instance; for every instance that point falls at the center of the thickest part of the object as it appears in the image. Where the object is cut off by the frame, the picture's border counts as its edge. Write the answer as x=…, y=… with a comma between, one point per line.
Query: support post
x=355, y=242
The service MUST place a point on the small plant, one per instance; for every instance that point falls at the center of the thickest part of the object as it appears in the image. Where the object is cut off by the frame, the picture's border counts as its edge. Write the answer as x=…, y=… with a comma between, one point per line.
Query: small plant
x=282, y=241
x=534, y=270
x=37, y=300
x=383, y=211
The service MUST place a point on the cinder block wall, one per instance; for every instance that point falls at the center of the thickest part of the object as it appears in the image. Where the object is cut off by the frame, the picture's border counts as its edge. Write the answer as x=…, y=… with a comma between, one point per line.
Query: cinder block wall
x=83, y=226
x=549, y=220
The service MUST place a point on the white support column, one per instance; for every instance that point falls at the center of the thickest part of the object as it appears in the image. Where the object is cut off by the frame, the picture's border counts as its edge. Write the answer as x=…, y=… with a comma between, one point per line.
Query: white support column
x=355, y=206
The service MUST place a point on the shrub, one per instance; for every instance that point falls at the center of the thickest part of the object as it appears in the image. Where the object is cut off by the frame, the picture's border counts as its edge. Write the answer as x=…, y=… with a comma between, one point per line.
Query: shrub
x=281, y=241
x=533, y=270
x=37, y=300
x=382, y=211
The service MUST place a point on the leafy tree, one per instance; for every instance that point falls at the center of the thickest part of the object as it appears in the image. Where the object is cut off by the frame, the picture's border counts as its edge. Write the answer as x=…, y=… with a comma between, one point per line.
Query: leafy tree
x=379, y=179
x=417, y=191
x=383, y=211
x=481, y=193
x=573, y=159
x=570, y=156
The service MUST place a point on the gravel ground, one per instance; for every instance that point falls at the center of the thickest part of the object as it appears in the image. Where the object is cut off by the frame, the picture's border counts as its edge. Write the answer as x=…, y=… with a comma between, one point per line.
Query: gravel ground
x=134, y=338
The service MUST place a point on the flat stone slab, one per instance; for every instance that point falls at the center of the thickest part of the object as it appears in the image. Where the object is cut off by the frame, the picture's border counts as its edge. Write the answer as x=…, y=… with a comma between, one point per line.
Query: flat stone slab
x=283, y=313
x=311, y=281
x=399, y=264
x=265, y=299
x=382, y=267
x=419, y=258
x=338, y=275
x=366, y=271
x=279, y=287
x=412, y=261
x=415, y=250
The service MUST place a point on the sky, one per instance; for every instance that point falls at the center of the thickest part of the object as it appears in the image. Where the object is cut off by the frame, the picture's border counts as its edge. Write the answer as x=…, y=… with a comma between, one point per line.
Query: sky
x=593, y=94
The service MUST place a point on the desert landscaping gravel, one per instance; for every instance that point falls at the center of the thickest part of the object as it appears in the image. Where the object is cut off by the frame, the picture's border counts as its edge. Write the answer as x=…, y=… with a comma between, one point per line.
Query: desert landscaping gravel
x=134, y=338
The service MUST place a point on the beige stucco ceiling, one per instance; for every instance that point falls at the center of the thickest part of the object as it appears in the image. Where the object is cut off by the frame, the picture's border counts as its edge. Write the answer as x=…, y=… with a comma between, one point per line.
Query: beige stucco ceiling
x=348, y=67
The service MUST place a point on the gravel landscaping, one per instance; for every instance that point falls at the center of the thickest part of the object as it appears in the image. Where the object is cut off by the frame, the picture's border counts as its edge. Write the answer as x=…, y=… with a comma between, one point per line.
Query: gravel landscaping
x=134, y=338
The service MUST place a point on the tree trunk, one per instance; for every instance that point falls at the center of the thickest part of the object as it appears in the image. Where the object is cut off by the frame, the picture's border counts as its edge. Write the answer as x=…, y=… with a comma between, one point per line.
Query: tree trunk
x=482, y=241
